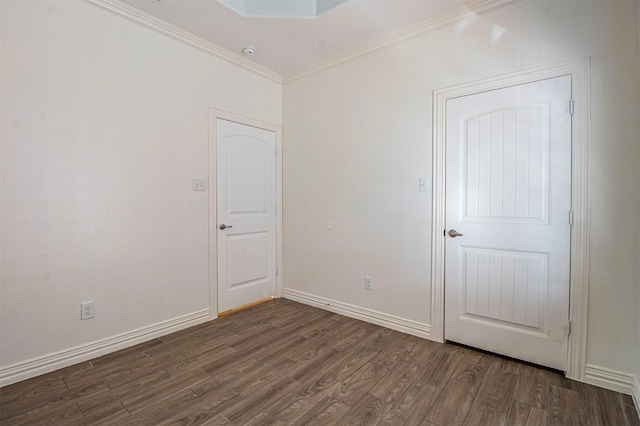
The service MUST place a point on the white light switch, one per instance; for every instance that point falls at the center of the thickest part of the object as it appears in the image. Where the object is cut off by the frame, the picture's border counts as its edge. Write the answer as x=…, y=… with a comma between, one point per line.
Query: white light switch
x=199, y=184
x=424, y=184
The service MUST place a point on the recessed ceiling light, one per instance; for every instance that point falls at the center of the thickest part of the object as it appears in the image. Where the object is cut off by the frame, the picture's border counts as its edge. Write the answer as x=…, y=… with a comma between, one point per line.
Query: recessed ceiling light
x=249, y=50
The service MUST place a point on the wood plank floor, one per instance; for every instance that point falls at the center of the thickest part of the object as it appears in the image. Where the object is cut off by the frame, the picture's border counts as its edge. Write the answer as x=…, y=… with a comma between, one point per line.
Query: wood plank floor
x=283, y=363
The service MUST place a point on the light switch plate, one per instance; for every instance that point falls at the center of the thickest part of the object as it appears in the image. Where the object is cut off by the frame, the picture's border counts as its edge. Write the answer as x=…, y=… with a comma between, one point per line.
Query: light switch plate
x=199, y=184
x=424, y=185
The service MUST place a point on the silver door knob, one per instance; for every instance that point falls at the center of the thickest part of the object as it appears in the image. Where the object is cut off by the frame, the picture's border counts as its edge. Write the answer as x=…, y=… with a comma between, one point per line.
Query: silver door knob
x=453, y=233
x=223, y=226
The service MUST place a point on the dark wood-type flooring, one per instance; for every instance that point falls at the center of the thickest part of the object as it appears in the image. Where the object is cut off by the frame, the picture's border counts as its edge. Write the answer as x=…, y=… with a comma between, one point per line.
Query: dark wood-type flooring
x=284, y=363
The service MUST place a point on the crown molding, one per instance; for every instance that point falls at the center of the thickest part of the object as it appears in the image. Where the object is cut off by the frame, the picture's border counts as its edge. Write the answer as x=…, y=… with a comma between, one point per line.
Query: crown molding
x=474, y=8
x=452, y=16
x=132, y=14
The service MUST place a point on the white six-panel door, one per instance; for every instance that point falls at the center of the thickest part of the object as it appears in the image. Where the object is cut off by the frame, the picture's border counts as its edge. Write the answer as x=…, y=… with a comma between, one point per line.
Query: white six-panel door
x=246, y=208
x=508, y=192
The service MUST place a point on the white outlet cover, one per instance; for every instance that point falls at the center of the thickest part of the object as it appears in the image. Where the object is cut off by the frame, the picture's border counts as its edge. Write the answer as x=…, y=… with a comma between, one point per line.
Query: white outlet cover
x=87, y=310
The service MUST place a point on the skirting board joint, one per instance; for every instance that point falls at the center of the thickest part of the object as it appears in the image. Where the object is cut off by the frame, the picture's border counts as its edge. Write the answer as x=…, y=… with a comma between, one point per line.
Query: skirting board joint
x=614, y=380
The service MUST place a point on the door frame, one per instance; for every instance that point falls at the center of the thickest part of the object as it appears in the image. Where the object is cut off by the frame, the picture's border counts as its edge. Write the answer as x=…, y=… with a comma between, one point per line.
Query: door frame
x=214, y=115
x=578, y=69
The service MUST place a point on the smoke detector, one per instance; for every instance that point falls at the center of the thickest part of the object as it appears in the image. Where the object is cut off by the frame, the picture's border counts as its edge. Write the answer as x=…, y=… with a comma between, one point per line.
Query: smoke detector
x=249, y=50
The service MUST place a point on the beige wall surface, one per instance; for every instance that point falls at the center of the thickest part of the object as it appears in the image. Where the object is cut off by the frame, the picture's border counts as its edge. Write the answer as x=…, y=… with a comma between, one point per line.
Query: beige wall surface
x=638, y=118
x=358, y=136
x=104, y=125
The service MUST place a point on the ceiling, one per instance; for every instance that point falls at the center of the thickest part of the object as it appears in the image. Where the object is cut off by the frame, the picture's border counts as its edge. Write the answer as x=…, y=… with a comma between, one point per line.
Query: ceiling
x=285, y=45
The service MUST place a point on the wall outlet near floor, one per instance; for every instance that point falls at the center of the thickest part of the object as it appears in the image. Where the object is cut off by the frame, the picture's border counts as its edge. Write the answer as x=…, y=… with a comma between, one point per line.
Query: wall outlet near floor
x=88, y=310
x=368, y=283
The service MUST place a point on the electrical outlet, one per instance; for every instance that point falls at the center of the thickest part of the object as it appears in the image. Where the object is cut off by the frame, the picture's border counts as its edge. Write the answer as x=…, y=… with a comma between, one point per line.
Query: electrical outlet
x=368, y=283
x=88, y=310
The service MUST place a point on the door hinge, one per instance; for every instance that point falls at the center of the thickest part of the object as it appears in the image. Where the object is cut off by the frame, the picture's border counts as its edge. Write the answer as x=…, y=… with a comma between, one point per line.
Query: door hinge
x=570, y=217
x=572, y=106
x=568, y=328
x=276, y=270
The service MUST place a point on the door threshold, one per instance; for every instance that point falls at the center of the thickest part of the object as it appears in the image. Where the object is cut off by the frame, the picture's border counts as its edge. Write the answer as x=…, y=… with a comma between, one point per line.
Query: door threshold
x=248, y=305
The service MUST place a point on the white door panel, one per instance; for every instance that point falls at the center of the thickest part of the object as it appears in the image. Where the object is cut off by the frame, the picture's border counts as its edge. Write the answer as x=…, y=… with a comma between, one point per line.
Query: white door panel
x=508, y=192
x=246, y=211
x=506, y=155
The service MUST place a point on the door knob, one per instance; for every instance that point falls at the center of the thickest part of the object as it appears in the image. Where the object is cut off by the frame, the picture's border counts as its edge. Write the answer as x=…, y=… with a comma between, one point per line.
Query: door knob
x=223, y=226
x=453, y=233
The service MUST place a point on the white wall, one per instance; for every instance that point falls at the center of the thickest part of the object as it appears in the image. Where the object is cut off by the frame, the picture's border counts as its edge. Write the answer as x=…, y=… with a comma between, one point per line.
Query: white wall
x=638, y=358
x=104, y=123
x=358, y=137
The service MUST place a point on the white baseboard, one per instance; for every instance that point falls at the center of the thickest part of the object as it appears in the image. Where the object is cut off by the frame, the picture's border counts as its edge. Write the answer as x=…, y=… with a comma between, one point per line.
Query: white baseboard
x=35, y=367
x=379, y=318
x=618, y=381
x=614, y=380
x=636, y=394
x=607, y=378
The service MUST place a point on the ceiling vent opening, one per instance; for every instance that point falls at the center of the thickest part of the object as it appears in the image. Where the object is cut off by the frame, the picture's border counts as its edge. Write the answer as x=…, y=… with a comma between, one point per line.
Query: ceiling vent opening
x=281, y=8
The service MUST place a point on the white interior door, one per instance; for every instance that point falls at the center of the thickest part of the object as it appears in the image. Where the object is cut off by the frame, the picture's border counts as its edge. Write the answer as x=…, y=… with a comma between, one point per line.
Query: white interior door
x=508, y=193
x=246, y=213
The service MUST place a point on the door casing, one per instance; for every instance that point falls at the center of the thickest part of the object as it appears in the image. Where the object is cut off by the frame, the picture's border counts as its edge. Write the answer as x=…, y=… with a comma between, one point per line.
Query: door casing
x=578, y=69
x=214, y=115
